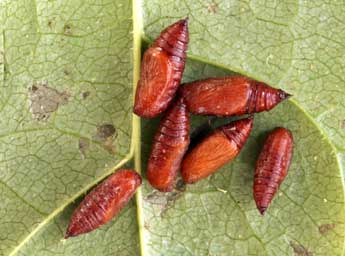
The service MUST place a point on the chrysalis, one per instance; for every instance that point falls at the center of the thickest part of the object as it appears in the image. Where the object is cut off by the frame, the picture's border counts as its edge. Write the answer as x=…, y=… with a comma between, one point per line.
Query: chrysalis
x=272, y=166
x=169, y=146
x=103, y=202
x=230, y=96
x=220, y=147
x=161, y=70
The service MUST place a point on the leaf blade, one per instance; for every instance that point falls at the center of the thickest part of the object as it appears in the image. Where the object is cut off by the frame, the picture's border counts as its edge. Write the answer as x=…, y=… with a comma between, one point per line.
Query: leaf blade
x=65, y=102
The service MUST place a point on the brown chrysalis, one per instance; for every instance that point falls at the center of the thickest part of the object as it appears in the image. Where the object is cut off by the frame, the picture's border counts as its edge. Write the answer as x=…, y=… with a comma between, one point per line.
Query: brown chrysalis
x=220, y=147
x=229, y=96
x=103, y=202
x=169, y=146
x=272, y=166
x=161, y=70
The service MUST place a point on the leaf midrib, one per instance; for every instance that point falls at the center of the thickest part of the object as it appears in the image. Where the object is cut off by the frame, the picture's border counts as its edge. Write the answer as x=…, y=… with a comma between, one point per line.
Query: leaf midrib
x=136, y=128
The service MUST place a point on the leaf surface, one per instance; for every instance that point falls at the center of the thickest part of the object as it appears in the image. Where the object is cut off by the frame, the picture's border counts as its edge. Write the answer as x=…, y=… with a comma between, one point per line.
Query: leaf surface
x=67, y=70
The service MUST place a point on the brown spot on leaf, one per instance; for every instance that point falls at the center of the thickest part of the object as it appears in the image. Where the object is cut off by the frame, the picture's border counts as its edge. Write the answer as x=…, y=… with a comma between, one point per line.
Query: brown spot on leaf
x=325, y=228
x=1, y=57
x=84, y=95
x=146, y=225
x=66, y=72
x=34, y=88
x=67, y=29
x=299, y=249
x=106, y=133
x=342, y=124
x=51, y=22
x=166, y=200
x=45, y=100
x=108, y=145
x=4, y=63
x=83, y=145
x=212, y=7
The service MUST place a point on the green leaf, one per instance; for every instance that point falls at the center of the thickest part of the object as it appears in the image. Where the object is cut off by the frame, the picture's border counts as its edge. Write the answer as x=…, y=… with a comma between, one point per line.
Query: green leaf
x=65, y=102
x=67, y=70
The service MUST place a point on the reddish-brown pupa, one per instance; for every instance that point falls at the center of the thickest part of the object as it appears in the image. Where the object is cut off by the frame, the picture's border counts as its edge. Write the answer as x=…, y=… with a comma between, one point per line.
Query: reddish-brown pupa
x=103, y=202
x=228, y=96
x=161, y=70
x=272, y=166
x=169, y=146
x=220, y=147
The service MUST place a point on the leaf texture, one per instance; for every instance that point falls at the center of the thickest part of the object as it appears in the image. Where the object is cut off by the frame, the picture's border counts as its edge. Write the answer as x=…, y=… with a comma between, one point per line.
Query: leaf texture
x=67, y=73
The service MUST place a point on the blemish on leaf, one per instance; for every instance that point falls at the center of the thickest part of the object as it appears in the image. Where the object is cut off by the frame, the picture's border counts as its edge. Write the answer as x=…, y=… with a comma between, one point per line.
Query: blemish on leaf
x=342, y=124
x=4, y=64
x=50, y=24
x=325, y=228
x=34, y=88
x=165, y=200
x=212, y=7
x=66, y=72
x=146, y=225
x=44, y=100
x=84, y=95
x=106, y=133
x=1, y=57
x=67, y=29
x=83, y=145
x=299, y=249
